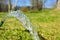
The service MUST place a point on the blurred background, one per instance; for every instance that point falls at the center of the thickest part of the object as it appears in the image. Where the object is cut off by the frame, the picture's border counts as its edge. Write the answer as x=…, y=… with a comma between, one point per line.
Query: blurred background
x=25, y=5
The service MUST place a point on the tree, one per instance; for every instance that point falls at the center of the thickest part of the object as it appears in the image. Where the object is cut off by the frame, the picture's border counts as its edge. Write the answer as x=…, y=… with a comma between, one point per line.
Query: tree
x=9, y=5
x=58, y=4
x=37, y=4
x=2, y=5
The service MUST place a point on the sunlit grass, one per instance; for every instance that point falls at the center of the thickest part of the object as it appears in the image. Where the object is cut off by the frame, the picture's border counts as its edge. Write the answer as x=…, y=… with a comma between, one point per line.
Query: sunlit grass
x=47, y=23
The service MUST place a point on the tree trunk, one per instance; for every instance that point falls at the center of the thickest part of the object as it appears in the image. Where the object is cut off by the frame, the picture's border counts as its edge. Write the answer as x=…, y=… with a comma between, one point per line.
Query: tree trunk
x=9, y=5
x=37, y=4
x=58, y=4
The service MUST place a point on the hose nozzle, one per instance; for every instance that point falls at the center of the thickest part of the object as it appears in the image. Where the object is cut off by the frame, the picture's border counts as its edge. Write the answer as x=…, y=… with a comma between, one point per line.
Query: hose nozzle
x=1, y=23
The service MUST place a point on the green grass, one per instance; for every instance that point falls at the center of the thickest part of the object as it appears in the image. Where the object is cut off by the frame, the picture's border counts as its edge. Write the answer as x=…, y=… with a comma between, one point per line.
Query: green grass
x=47, y=23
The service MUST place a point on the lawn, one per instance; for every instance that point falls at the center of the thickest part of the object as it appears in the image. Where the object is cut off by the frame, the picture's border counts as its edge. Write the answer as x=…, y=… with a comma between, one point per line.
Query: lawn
x=47, y=23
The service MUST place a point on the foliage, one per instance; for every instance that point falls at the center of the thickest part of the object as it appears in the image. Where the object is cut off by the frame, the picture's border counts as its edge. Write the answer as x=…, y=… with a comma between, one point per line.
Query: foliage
x=24, y=9
x=47, y=24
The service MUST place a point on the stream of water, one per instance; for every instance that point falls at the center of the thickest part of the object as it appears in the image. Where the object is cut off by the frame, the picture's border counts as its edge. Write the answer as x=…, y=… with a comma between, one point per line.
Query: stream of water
x=25, y=21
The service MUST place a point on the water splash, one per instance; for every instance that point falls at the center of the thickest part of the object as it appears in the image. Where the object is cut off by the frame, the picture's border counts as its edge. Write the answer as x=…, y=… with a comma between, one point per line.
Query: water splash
x=25, y=21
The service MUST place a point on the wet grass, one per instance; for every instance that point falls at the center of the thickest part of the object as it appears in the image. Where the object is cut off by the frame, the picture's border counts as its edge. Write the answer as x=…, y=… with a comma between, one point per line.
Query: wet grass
x=47, y=23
